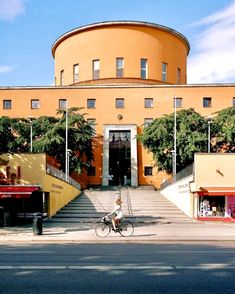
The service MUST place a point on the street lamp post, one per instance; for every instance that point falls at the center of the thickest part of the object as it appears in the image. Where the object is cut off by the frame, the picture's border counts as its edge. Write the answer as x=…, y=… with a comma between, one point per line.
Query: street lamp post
x=66, y=141
x=175, y=147
x=31, y=137
x=209, y=135
x=31, y=118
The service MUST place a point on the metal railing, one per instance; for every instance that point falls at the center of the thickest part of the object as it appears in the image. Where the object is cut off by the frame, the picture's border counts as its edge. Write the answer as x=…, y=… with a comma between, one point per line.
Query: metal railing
x=62, y=176
x=187, y=171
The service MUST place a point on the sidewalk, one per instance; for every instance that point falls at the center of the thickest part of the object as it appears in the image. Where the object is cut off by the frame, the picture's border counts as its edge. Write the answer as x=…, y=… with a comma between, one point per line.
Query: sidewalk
x=155, y=219
x=84, y=233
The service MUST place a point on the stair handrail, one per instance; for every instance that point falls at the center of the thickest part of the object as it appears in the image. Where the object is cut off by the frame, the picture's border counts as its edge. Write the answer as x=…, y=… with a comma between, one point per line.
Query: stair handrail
x=188, y=170
x=59, y=174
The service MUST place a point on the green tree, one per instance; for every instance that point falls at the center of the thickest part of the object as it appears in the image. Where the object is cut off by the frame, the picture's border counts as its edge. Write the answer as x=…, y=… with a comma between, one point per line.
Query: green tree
x=48, y=135
x=53, y=143
x=191, y=137
x=223, y=130
x=7, y=137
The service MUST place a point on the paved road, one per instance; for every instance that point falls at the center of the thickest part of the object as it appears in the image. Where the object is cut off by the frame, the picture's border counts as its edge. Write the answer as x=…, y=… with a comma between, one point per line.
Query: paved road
x=180, y=267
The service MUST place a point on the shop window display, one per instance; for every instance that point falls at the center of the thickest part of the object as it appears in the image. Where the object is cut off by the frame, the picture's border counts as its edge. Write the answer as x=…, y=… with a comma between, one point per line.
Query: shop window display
x=210, y=206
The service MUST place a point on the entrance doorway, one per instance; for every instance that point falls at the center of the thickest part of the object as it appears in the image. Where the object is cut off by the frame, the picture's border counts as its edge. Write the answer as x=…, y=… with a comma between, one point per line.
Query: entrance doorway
x=119, y=157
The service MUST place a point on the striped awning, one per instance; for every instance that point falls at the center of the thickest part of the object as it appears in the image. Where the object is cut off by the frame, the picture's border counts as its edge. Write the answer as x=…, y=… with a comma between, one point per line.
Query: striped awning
x=16, y=191
x=216, y=191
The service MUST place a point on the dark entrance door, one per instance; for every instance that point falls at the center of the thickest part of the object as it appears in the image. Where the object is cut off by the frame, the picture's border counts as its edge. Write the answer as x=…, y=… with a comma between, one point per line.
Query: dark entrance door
x=119, y=158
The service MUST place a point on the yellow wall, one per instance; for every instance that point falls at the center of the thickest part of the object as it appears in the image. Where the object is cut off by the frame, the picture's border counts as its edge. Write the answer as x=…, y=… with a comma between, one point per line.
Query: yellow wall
x=131, y=41
x=32, y=167
x=214, y=170
x=61, y=193
x=33, y=172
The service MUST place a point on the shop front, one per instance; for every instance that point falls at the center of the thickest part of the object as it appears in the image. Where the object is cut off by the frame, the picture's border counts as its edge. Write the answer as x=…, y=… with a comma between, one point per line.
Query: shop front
x=216, y=203
x=18, y=203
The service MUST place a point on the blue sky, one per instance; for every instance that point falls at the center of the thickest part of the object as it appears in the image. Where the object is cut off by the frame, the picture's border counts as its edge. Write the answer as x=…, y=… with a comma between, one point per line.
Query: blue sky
x=28, y=28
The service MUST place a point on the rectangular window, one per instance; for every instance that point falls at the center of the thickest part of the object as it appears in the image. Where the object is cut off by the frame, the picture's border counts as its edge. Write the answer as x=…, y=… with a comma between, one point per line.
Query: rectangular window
x=62, y=77
x=144, y=68
x=177, y=102
x=6, y=104
x=148, y=102
x=148, y=170
x=207, y=102
x=35, y=104
x=62, y=103
x=75, y=73
x=119, y=67
x=96, y=69
x=233, y=101
x=120, y=103
x=91, y=103
x=164, y=72
x=91, y=171
x=178, y=76
x=147, y=122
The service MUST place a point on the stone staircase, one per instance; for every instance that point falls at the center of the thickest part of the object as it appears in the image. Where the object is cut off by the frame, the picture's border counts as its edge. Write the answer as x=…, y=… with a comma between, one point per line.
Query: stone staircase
x=140, y=205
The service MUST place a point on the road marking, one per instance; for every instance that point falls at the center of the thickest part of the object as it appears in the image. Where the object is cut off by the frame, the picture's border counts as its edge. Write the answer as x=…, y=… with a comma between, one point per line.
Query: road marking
x=216, y=266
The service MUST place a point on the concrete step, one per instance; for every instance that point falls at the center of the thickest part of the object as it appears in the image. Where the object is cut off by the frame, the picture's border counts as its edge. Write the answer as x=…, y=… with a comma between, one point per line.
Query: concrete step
x=134, y=220
x=139, y=205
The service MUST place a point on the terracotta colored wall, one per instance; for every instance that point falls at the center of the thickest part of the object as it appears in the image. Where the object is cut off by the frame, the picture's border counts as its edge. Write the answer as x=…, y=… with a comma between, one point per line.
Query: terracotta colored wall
x=105, y=112
x=131, y=42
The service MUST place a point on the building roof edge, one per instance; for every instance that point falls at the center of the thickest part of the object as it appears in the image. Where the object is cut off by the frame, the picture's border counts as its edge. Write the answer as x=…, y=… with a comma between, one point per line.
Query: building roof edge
x=120, y=22
x=103, y=86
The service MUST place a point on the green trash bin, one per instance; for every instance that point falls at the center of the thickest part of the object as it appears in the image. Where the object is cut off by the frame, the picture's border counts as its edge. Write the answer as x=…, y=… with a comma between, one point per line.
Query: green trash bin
x=37, y=223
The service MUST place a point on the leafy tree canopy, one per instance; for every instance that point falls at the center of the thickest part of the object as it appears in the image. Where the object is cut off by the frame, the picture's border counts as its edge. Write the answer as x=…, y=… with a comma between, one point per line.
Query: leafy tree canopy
x=48, y=135
x=191, y=137
x=223, y=128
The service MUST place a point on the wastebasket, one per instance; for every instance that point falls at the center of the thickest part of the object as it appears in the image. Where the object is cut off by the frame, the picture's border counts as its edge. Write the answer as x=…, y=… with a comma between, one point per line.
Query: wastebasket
x=37, y=223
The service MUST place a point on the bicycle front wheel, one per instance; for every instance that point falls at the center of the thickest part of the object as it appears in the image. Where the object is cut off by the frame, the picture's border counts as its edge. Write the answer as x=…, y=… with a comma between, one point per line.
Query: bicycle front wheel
x=126, y=229
x=102, y=230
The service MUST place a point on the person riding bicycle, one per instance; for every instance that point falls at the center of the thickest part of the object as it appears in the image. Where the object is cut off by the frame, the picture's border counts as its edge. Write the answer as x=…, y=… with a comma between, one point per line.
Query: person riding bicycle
x=116, y=215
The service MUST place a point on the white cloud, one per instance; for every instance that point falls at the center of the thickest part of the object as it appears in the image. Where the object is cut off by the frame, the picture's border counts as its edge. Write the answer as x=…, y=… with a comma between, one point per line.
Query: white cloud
x=214, y=57
x=10, y=9
x=5, y=69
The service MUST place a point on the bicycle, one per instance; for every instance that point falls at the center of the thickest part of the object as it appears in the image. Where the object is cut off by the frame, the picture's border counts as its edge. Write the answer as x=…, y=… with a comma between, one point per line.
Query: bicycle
x=124, y=228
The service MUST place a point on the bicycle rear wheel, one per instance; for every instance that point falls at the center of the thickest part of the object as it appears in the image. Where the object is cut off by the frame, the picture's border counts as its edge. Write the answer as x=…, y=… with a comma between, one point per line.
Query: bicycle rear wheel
x=126, y=229
x=102, y=230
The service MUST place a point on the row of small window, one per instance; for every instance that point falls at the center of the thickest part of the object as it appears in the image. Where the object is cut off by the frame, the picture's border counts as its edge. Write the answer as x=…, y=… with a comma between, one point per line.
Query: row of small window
x=148, y=171
x=149, y=102
x=119, y=71
x=119, y=103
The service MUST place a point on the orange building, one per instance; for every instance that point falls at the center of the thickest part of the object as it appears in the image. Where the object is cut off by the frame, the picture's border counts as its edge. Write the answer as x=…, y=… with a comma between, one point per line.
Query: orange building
x=124, y=74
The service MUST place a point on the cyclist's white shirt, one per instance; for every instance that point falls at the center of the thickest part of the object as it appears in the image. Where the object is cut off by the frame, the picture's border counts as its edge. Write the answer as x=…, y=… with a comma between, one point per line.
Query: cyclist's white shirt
x=118, y=211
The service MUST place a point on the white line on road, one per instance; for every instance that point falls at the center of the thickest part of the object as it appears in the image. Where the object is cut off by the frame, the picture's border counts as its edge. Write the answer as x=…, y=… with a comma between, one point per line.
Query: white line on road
x=220, y=266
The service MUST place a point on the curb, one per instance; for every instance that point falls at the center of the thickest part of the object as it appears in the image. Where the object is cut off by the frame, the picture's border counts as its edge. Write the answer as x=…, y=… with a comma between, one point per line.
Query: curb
x=111, y=241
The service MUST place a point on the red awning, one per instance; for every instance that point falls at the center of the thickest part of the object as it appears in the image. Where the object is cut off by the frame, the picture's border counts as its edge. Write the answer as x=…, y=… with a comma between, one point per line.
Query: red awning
x=14, y=191
x=217, y=191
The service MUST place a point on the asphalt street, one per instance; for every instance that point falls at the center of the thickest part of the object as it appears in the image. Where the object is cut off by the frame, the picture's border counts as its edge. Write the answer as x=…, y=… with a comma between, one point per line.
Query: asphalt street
x=161, y=267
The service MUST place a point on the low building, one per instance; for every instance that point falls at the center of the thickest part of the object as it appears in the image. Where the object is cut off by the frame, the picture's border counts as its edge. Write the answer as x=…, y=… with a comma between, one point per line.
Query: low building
x=28, y=184
x=208, y=193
